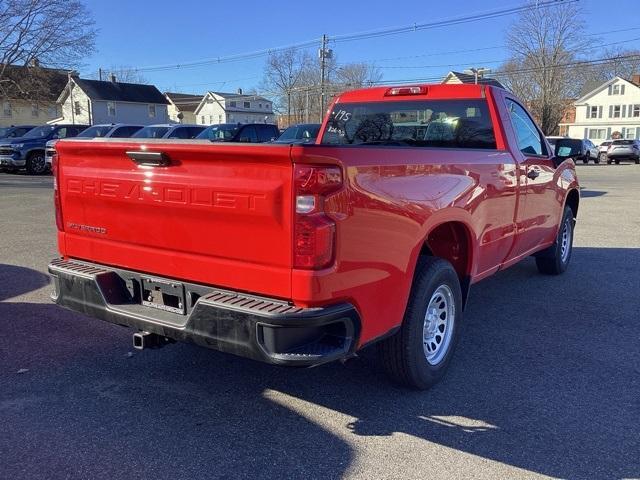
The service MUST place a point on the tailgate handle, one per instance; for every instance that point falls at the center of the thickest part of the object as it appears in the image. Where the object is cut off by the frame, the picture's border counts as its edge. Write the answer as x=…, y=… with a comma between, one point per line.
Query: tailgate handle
x=152, y=159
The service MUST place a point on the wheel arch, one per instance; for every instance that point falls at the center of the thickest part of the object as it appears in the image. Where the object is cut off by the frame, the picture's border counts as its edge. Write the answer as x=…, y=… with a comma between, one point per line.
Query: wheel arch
x=452, y=241
x=573, y=201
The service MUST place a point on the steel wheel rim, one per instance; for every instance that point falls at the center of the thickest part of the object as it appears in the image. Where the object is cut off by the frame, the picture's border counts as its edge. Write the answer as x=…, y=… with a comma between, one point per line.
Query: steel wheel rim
x=437, y=328
x=565, y=241
x=38, y=163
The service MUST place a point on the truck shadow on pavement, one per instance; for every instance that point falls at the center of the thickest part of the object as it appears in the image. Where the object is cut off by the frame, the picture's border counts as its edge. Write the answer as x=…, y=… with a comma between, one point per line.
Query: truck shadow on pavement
x=545, y=378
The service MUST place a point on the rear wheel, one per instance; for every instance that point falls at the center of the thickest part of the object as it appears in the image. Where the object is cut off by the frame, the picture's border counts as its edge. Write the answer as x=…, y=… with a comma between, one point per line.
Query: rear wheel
x=602, y=157
x=418, y=355
x=555, y=259
x=585, y=160
x=36, y=163
x=617, y=162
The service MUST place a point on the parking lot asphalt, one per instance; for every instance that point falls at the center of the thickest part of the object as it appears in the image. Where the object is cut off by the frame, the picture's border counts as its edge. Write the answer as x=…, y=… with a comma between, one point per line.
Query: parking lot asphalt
x=545, y=381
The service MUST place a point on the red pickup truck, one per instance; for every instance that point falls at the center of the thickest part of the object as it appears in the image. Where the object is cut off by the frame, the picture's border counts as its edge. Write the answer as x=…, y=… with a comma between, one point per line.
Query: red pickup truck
x=304, y=254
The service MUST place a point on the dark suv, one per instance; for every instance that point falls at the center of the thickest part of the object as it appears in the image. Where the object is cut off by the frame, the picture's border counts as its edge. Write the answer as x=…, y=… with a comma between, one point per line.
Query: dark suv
x=623, y=150
x=28, y=151
x=237, y=132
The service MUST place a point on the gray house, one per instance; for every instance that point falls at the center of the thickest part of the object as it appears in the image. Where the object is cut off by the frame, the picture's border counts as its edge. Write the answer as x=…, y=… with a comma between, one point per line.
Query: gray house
x=91, y=102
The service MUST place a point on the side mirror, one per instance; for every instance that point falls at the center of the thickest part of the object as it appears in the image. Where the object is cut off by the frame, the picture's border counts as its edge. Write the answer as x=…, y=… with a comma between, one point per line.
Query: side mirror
x=567, y=148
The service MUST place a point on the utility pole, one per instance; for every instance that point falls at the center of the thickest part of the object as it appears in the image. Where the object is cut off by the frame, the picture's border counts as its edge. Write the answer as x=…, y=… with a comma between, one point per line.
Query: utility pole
x=324, y=54
x=306, y=107
x=100, y=74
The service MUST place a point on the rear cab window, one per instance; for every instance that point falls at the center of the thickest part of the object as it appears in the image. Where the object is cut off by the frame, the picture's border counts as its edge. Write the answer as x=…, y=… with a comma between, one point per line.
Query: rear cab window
x=446, y=123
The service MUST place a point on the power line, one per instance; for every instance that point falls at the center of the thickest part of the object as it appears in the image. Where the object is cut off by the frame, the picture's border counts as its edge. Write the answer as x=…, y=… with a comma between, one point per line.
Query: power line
x=360, y=36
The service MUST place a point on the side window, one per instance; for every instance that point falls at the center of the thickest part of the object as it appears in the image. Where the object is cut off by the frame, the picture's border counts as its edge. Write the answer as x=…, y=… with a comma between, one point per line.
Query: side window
x=61, y=133
x=124, y=132
x=529, y=138
x=266, y=133
x=179, y=132
x=250, y=133
x=194, y=131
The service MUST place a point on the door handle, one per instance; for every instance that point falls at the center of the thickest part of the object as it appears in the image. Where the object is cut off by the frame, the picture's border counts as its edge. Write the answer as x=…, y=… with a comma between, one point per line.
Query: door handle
x=152, y=159
x=533, y=174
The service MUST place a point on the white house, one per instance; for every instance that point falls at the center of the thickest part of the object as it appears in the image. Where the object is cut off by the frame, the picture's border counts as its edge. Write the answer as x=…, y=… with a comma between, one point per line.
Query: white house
x=91, y=102
x=218, y=107
x=612, y=109
x=182, y=106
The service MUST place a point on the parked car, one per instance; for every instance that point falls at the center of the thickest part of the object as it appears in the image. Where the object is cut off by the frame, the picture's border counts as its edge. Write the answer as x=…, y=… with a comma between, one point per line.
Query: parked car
x=15, y=131
x=301, y=133
x=180, y=130
x=109, y=130
x=602, y=150
x=239, y=132
x=588, y=150
x=623, y=150
x=301, y=255
x=28, y=151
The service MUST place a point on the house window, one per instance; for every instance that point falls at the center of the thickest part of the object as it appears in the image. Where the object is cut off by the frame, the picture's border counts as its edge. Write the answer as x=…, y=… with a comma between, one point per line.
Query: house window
x=152, y=111
x=232, y=104
x=597, y=133
x=247, y=104
x=76, y=108
x=634, y=110
x=35, y=110
x=259, y=105
x=592, y=112
x=219, y=118
x=616, y=111
x=267, y=106
x=202, y=119
x=615, y=90
x=111, y=109
x=630, y=134
x=52, y=112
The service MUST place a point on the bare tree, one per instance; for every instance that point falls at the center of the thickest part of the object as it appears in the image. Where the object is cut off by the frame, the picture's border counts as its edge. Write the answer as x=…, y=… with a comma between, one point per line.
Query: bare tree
x=355, y=75
x=123, y=73
x=282, y=75
x=542, y=41
x=294, y=79
x=623, y=63
x=52, y=33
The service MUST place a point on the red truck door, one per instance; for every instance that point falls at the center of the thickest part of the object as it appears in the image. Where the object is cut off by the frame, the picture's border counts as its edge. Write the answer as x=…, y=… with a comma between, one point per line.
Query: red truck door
x=537, y=217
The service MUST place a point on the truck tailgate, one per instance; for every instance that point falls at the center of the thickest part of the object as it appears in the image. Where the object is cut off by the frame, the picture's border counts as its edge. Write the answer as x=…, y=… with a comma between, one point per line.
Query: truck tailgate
x=218, y=214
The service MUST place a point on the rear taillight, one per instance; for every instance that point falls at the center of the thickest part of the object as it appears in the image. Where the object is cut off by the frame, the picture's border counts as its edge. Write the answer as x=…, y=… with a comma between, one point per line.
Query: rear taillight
x=56, y=192
x=314, y=230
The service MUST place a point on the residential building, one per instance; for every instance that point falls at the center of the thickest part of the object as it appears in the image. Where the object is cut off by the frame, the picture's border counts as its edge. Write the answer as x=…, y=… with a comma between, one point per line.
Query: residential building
x=611, y=110
x=219, y=107
x=462, y=77
x=95, y=101
x=28, y=94
x=182, y=107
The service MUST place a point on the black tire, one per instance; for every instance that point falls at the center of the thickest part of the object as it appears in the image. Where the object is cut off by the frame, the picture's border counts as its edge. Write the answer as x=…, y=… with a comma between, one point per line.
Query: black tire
x=555, y=260
x=637, y=161
x=602, y=158
x=36, y=163
x=404, y=355
x=617, y=162
x=585, y=160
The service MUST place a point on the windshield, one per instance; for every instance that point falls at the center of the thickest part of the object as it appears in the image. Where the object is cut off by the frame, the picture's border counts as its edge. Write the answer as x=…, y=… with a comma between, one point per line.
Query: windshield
x=422, y=123
x=300, y=132
x=219, y=133
x=151, y=132
x=40, y=132
x=5, y=131
x=96, y=131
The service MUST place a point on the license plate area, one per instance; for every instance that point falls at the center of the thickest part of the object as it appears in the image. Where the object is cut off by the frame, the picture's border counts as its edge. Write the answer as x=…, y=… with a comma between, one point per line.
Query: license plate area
x=163, y=294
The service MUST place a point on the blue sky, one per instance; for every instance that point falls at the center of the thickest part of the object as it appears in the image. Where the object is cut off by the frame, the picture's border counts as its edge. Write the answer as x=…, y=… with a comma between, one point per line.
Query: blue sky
x=145, y=33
